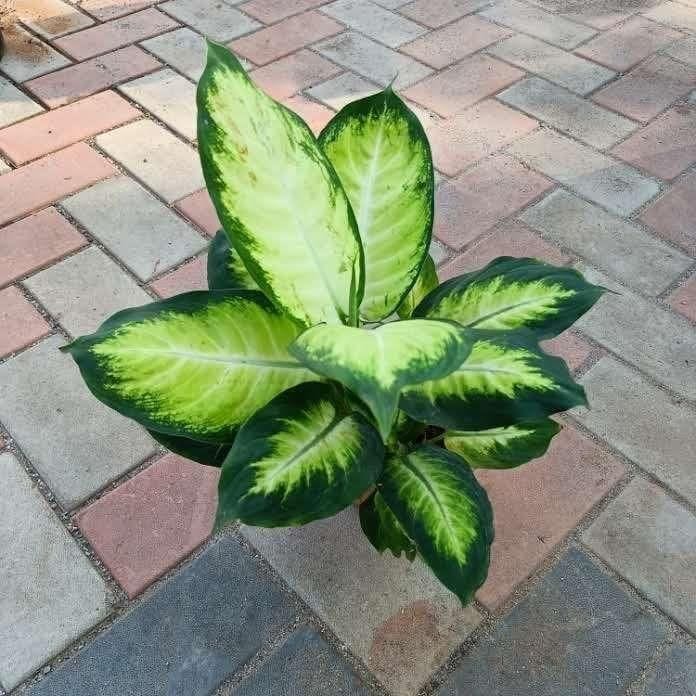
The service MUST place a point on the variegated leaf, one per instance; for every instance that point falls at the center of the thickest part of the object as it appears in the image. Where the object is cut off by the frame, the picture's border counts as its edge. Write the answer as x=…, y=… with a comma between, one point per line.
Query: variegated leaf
x=304, y=456
x=511, y=293
x=381, y=154
x=377, y=363
x=196, y=365
x=440, y=505
x=505, y=379
x=209, y=453
x=226, y=270
x=425, y=283
x=503, y=448
x=277, y=196
x=383, y=529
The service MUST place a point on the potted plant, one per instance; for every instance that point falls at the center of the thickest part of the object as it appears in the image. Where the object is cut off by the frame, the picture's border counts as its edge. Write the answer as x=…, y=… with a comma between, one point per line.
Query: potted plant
x=293, y=372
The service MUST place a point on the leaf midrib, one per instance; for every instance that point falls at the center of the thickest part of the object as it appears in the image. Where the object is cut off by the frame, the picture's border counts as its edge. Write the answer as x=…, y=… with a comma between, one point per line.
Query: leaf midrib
x=226, y=360
x=508, y=308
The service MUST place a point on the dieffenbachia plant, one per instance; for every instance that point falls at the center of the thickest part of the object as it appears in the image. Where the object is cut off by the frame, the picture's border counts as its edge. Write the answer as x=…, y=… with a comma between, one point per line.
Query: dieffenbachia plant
x=325, y=365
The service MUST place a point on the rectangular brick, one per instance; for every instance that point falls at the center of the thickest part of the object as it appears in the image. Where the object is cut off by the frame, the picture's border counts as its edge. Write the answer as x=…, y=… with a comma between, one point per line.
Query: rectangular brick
x=473, y=196
x=648, y=89
x=574, y=349
x=169, y=96
x=36, y=241
x=672, y=215
x=50, y=178
x=684, y=50
x=569, y=113
x=598, y=14
x=51, y=18
x=619, y=247
x=566, y=637
x=537, y=505
x=316, y=116
x=15, y=104
x=182, y=49
x=445, y=46
x=21, y=323
x=287, y=36
x=461, y=85
x=342, y=89
x=104, y=10
x=152, y=154
x=554, y=64
x=373, y=60
x=675, y=668
x=484, y=128
x=665, y=147
x=330, y=563
x=191, y=276
x=181, y=639
x=200, y=210
x=26, y=56
x=95, y=75
x=437, y=13
x=51, y=594
x=673, y=14
x=614, y=185
x=533, y=20
x=83, y=444
x=292, y=74
x=64, y=126
x=374, y=21
x=621, y=48
x=643, y=333
x=642, y=422
x=134, y=226
x=115, y=34
x=683, y=299
x=649, y=539
x=271, y=11
x=214, y=19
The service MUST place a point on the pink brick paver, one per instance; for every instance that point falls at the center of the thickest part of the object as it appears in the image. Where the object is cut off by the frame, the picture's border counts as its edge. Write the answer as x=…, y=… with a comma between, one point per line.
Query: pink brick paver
x=152, y=521
x=198, y=208
x=539, y=504
x=574, y=349
x=285, y=37
x=54, y=130
x=110, y=9
x=21, y=323
x=83, y=79
x=666, y=146
x=50, y=178
x=191, y=276
x=116, y=33
x=316, y=116
x=436, y=13
x=35, y=242
x=683, y=299
x=271, y=11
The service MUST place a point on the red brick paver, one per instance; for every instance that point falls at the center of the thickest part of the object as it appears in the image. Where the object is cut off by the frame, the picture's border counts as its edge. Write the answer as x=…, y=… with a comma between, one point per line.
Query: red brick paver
x=270, y=11
x=191, y=276
x=110, y=9
x=152, y=521
x=683, y=299
x=200, y=210
x=21, y=323
x=51, y=131
x=436, y=13
x=316, y=116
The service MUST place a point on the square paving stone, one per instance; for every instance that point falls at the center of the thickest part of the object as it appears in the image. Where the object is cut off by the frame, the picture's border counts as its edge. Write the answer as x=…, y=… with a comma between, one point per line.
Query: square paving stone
x=650, y=539
x=84, y=290
x=184, y=639
x=674, y=674
x=50, y=594
x=147, y=236
x=77, y=444
x=152, y=521
x=305, y=665
x=569, y=637
x=394, y=615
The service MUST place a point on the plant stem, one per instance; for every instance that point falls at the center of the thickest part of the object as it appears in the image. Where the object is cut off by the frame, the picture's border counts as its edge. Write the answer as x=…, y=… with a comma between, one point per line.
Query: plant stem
x=433, y=440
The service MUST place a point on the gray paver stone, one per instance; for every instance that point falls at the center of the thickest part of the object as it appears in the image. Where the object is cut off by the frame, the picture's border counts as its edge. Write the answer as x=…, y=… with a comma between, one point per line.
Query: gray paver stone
x=650, y=539
x=77, y=444
x=49, y=593
x=674, y=674
x=216, y=20
x=568, y=637
x=185, y=638
x=183, y=49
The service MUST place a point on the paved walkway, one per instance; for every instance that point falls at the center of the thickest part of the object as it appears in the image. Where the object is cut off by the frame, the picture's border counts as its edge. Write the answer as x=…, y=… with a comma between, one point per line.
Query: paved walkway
x=563, y=129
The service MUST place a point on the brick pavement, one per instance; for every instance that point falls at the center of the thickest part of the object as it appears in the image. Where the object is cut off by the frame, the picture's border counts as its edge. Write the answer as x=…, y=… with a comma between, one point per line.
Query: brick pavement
x=560, y=129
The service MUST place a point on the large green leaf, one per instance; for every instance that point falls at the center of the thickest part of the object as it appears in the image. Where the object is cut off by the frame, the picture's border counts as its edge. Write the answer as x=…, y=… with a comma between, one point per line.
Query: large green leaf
x=425, y=283
x=505, y=379
x=196, y=365
x=381, y=154
x=377, y=363
x=511, y=293
x=210, y=453
x=277, y=196
x=440, y=505
x=304, y=456
x=226, y=270
x=383, y=529
x=503, y=448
